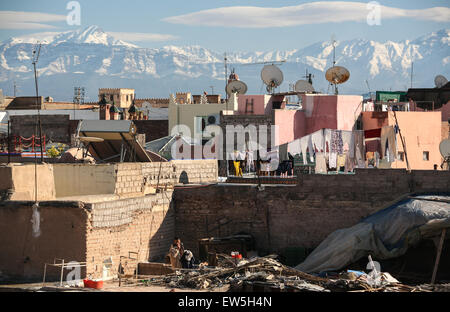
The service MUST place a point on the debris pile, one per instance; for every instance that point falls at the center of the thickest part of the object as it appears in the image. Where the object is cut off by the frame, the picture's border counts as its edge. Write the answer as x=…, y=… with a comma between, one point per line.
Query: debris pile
x=267, y=274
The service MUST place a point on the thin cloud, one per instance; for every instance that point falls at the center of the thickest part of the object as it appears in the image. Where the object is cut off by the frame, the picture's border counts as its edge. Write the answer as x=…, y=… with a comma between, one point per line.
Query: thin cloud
x=303, y=14
x=141, y=37
x=28, y=20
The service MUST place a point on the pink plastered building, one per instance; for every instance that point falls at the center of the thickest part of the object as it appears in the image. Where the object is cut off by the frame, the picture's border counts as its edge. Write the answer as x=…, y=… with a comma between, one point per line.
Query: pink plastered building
x=319, y=111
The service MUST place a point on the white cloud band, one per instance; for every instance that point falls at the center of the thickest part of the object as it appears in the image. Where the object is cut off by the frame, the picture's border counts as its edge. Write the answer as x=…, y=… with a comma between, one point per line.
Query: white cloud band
x=28, y=20
x=308, y=13
x=141, y=37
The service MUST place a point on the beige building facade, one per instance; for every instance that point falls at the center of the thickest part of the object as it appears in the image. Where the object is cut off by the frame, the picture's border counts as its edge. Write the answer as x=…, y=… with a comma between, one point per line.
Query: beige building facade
x=122, y=97
x=197, y=115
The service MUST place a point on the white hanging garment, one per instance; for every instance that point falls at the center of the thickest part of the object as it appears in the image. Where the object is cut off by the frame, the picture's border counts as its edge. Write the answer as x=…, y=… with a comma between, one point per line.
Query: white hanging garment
x=318, y=140
x=294, y=147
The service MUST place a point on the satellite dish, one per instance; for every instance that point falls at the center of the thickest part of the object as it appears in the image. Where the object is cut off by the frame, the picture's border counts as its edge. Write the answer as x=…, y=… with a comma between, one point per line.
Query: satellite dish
x=236, y=86
x=440, y=81
x=272, y=76
x=444, y=148
x=337, y=74
x=303, y=86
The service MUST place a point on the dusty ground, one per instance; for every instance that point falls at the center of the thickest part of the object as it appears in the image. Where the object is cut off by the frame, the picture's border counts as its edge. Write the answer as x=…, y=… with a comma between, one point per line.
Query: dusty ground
x=109, y=286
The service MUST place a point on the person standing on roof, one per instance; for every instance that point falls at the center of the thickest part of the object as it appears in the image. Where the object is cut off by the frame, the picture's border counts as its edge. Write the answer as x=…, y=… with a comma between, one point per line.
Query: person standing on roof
x=176, y=251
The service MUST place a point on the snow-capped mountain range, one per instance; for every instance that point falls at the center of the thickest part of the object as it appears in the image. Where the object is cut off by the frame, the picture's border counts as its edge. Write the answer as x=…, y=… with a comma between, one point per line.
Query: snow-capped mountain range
x=93, y=58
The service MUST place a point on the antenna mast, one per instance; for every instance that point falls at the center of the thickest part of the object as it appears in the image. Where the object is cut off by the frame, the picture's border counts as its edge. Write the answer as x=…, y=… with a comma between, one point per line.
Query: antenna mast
x=226, y=75
x=334, y=63
x=35, y=60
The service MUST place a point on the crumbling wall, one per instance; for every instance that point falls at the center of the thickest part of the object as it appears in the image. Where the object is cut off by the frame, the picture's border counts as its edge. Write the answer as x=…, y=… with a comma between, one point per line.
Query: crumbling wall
x=91, y=233
x=143, y=225
x=295, y=216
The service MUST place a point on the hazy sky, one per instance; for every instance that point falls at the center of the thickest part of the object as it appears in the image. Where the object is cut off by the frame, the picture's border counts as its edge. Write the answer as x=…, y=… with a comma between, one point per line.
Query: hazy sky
x=231, y=25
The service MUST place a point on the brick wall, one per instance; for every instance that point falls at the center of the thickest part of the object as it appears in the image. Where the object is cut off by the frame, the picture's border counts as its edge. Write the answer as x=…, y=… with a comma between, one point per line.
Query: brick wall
x=143, y=225
x=295, y=216
x=134, y=178
x=195, y=171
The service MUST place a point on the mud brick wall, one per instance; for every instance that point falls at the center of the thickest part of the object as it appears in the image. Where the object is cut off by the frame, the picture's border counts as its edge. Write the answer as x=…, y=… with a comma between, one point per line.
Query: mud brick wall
x=80, y=232
x=143, y=225
x=62, y=234
x=295, y=216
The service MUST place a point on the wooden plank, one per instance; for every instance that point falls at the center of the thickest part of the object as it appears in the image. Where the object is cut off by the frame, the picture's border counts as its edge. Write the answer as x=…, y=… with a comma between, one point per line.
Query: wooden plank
x=438, y=255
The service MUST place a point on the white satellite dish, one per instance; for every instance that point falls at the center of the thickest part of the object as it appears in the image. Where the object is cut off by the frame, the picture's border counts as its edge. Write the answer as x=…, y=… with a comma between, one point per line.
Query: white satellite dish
x=444, y=148
x=236, y=86
x=272, y=76
x=303, y=86
x=440, y=81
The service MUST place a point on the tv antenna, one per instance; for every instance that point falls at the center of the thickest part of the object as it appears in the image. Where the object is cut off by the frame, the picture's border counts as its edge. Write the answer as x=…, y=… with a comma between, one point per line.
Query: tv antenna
x=368, y=87
x=225, y=59
x=79, y=94
x=36, y=55
x=309, y=76
x=15, y=89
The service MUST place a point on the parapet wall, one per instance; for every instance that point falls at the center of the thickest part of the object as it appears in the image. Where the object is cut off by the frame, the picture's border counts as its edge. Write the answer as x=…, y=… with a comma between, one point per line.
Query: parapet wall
x=123, y=179
x=295, y=216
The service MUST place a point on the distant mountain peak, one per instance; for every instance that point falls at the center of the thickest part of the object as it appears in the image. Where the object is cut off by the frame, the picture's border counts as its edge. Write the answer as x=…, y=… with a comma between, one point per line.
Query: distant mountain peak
x=90, y=56
x=90, y=35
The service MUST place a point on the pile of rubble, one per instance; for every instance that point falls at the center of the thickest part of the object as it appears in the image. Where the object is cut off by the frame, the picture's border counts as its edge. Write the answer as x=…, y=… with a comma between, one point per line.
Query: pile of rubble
x=267, y=274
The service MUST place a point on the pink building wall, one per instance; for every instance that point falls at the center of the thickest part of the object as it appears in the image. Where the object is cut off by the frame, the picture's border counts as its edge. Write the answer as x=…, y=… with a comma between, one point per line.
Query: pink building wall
x=320, y=111
x=421, y=132
x=349, y=108
x=291, y=125
x=331, y=111
x=260, y=101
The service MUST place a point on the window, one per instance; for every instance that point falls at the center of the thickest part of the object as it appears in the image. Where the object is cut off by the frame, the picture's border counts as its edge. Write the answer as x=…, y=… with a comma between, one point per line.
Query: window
x=426, y=156
x=401, y=156
x=111, y=97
